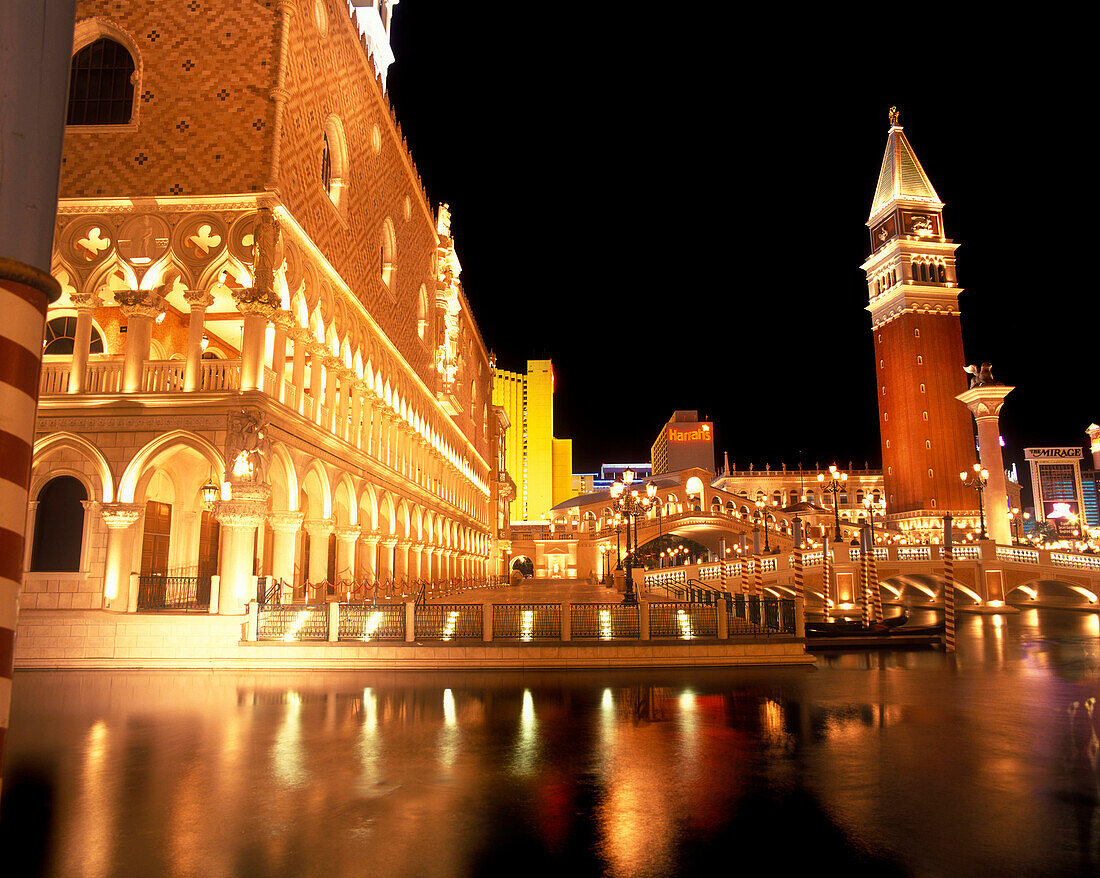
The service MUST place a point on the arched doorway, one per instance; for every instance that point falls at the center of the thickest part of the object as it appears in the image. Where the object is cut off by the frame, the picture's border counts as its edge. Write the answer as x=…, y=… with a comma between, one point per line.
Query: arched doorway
x=524, y=565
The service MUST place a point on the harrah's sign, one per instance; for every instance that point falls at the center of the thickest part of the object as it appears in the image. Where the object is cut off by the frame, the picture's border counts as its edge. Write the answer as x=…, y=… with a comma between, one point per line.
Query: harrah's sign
x=1049, y=453
x=699, y=434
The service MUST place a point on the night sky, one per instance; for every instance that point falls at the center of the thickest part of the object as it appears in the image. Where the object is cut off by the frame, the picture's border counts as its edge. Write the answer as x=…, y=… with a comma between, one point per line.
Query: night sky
x=672, y=207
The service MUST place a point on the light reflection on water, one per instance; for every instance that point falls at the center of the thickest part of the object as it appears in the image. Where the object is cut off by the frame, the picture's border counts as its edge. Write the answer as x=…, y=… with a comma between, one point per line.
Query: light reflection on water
x=882, y=762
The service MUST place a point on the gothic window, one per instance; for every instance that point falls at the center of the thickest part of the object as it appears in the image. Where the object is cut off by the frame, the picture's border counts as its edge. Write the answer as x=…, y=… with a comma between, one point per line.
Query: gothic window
x=388, y=255
x=925, y=415
x=930, y=474
x=326, y=165
x=941, y=274
x=916, y=333
x=922, y=390
x=920, y=360
x=59, y=526
x=933, y=502
x=101, y=88
x=61, y=337
x=422, y=313
x=928, y=444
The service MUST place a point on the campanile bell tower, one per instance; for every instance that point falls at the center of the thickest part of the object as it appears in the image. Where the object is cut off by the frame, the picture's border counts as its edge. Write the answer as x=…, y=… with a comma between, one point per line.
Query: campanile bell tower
x=927, y=437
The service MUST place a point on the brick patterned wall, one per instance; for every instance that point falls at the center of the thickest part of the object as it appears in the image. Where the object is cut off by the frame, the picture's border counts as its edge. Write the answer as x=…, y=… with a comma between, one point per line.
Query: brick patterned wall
x=204, y=113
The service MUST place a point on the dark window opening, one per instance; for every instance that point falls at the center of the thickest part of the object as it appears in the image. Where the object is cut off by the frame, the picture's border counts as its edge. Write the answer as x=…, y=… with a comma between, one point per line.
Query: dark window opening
x=326, y=165
x=101, y=90
x=59, y=526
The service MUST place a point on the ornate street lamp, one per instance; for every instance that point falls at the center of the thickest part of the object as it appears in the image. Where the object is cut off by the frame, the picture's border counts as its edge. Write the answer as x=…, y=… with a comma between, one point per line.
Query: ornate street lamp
x=762, y=507
x=837, y=483
x=209, y=492
x=629, y=504
x=978, y=481
x=1016, y=518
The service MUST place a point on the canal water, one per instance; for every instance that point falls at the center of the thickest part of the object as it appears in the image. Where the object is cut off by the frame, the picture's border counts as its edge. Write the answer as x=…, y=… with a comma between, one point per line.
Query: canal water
x=872, y=763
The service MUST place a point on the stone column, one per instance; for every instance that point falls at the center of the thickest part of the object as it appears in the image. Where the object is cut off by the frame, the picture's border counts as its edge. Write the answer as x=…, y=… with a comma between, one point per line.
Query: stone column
x=120, y=518
x=401, y=563
x=984, y=402
x=34, y=70
x=316, y=378
x=285, y=526
x=199, y=302
x=140, y=308
x=298, y=369
x=256, y=317
x=85, y=304
x=368, y=556
x=333, y=367
x=239, y=517
x=385, y=558
x=416, y=551
x=355, y=431
x=343, y=428
x=318, y=530
x=284, y=325
x=346, y=538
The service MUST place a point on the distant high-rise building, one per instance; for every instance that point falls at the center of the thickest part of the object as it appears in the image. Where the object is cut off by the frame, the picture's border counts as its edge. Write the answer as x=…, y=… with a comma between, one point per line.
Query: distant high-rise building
x=683, y=442
x=540, y=464
x=927, y=434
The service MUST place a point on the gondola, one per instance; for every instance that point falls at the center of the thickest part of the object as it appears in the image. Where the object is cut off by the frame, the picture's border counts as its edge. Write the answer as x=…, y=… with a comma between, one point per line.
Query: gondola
x=894, y=625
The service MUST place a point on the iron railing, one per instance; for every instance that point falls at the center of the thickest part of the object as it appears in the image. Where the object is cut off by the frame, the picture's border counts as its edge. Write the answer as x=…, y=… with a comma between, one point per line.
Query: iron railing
x=527, y=622
x=682, y=621
x=604, y=622
x=174, y=593
x=369, y=623
x=291, y=623
x=752, y=616
x=448, y=622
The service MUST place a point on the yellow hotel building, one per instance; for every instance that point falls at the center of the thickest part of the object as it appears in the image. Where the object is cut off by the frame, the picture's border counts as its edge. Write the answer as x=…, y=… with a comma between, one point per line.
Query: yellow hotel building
x=541, y=464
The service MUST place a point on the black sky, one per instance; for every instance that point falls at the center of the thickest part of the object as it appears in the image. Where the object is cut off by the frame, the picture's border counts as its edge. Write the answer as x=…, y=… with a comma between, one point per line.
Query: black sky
x=671, y=205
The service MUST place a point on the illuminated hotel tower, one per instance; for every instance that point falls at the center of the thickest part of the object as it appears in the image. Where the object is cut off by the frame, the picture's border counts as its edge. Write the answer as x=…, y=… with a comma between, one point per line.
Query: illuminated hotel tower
x=926, y=433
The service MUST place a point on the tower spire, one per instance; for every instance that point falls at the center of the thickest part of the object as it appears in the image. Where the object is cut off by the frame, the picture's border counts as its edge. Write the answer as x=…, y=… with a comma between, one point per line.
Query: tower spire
x=901, y=177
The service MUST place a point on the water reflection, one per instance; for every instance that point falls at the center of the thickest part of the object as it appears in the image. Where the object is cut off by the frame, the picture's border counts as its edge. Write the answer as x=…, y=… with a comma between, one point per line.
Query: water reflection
x=878, y=762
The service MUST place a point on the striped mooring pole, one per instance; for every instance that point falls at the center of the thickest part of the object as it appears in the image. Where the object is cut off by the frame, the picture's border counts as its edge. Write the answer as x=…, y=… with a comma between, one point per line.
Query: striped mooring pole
x=948, y=586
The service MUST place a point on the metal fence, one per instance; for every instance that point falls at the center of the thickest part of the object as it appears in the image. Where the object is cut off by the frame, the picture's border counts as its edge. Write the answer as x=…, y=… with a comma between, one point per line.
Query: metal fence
x=371, y=624
x=604, y=622
x=751, y=616
x=448, y=622
x=291, y=623
x=174, y=593
x=682, y=621
x=527, y=622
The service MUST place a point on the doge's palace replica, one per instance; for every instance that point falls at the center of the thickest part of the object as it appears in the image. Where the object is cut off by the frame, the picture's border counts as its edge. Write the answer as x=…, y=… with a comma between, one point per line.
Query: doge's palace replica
x=262, y=363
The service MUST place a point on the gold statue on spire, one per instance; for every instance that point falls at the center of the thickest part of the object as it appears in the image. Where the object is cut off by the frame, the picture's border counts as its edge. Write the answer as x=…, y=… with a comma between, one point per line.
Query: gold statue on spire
x=893, y=117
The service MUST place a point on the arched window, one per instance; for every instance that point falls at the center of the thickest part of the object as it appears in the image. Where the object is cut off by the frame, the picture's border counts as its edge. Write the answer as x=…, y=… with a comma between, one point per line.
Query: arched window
x=334, y=161
x=101, y=85
x=794, y=497
x=859, y=497
x=59, y=526
x=422, y=313
x=61, y=336
x=942, y=274
x=388, y=255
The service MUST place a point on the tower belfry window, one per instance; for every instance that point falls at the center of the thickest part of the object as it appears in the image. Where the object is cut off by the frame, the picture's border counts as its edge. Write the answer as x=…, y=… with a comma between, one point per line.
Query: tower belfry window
x=326, y=165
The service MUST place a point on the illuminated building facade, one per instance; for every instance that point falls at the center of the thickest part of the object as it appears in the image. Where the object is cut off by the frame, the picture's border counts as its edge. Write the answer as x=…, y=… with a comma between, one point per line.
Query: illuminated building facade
x=927, y=435
x=1057, y=487
x=541, y=464
x=258, y=299
x=683, y=442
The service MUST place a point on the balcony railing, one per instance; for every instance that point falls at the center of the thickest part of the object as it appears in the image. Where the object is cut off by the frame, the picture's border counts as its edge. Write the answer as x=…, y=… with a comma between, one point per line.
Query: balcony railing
x=174, y=593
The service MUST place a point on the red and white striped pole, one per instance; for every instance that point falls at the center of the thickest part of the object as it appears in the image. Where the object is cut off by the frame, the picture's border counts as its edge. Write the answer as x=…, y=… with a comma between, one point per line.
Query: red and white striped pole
x=865, y=575
x=35, y=49
x=826, y=574
x=876, y=589
x=948, y=586
x=799, y=582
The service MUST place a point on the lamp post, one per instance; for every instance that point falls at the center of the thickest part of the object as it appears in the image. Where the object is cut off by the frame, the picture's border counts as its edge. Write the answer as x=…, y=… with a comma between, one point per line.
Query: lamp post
x=762, y=506
x=872, y=508
x=978, y=481
x=1016, y=519
x=837, y=482
x=629, y=504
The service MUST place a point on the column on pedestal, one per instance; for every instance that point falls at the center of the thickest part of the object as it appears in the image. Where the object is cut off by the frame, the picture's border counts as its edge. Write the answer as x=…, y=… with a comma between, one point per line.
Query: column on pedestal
x=984, y=402
x=346, y=538
x=140, y=308
x=318, y=530
x=85, y=304
x=120, y=518
x=355, y=429
x=333, y=367
x=199, y=302
x=343, y=427
x=285, y=527
x=238, y=519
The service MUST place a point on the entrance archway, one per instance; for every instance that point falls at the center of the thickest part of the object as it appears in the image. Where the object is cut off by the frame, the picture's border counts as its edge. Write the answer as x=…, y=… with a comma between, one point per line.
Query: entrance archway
x=524, y=565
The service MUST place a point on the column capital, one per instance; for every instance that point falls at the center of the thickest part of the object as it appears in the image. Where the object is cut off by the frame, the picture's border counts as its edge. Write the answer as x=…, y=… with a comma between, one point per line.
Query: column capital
x=285, y=522
x=139, y=303
x=404, y=544
x=347, y=533
x=436, y=550
x=985, y=400
x=85, y=301
x=285, y=321
x=389, y=542
x=371, y=539
x=199, y=300
x=319, y=526
x=245, y=514
x=120, y=516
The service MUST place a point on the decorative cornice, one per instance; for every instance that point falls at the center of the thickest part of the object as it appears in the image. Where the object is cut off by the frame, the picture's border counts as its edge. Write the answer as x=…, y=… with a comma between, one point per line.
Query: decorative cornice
x=120, y=516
